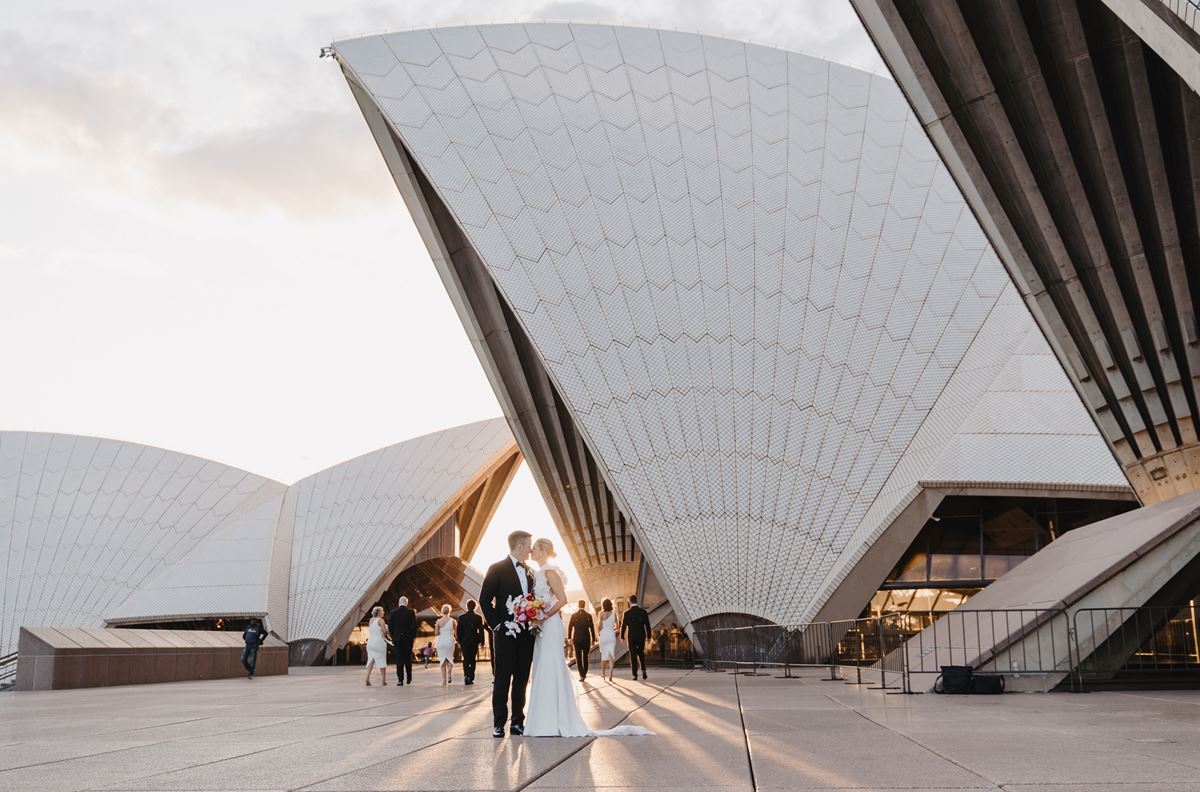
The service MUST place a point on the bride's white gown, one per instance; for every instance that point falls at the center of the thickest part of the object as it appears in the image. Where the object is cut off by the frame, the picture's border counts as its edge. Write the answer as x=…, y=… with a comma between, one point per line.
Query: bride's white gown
x=553, y=710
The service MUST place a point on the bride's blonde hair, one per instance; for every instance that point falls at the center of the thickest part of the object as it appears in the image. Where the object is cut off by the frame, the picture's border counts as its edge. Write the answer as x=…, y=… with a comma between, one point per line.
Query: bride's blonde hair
x=546, y=545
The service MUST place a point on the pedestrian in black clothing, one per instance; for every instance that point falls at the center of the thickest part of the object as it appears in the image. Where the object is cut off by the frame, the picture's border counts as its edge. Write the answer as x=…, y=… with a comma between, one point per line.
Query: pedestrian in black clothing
x=470, y=636
x=637, y=622
x=402, y=624
x=582, y=634
x=254, y=635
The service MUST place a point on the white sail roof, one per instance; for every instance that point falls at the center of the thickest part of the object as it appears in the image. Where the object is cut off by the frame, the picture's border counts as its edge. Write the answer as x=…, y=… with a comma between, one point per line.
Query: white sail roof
x=86, y=522
x=746, y=271
x=96, y=531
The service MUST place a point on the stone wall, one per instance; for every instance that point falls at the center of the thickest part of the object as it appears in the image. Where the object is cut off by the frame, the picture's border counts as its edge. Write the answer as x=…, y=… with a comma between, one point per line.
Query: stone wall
x=56, y=659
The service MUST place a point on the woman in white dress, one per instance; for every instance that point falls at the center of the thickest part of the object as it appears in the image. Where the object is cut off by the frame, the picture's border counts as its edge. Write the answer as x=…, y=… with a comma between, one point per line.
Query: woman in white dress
x=445, y=644
x=377, y=637
x=553, y=710
x=608, y=639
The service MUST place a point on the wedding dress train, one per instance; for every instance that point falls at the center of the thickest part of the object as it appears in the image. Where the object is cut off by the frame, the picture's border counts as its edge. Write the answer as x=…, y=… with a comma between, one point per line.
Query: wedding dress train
x=553, y=709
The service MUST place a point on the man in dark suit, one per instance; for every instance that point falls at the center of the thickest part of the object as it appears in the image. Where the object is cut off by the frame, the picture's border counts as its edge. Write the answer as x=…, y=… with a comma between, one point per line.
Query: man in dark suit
x=637, y=622
x=402, y=624
x=512, y=654
x=582, y=633
x=470, y=636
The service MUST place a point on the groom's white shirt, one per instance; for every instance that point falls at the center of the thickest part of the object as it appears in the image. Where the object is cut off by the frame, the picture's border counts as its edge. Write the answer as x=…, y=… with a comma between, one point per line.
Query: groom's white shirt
x=520, y=573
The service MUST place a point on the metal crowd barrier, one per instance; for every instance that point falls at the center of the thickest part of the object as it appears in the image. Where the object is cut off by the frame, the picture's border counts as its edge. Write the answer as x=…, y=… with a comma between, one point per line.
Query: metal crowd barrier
x=1130, y=645
x=1187, y=10
x=8, y=670
x=894, y=648
x=1011, y=642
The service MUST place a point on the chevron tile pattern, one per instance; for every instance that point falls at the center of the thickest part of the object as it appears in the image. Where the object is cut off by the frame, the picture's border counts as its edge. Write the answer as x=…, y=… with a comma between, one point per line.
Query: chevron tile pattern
x=352, y=523
x=746, y=271
x=86, y=522
x=95, y=531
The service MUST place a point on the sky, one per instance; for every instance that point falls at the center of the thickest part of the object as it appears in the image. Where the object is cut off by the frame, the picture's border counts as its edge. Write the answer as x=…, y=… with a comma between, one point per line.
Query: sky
x=200, y=245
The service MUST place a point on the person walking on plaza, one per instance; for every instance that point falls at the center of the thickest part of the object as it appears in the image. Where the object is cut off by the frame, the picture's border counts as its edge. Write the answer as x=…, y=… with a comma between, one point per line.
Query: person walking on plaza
x=377, y=635
x=582, y=634
x=470, y=636
x=660, y=641
x=445, y=645
x=402, y=622
x=254, y=635
x=637, y=623
x=675, y=636
x=608, y=640
x=427, y=653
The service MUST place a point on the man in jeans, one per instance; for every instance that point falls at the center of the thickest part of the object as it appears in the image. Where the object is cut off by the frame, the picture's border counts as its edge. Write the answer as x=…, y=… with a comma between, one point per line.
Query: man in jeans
x=254, y=636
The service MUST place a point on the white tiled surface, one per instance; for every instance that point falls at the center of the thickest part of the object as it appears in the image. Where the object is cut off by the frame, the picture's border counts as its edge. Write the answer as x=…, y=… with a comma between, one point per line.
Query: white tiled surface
x=1007, y=415
x=92, y=529
x=352, y=522
x=746, y=270
x=226, y=573
x=85, y=522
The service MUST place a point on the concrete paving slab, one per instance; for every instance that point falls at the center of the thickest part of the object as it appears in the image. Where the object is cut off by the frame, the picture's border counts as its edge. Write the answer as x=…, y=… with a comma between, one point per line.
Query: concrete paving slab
x=322, y=729
x=233, y=728
x=834, y=760
x=119, y=767
x=1049, y=757
x=746, y=787
x=460, y=764
x=1193, y=786
x=43, y=751
x=287, y=767
x=648, y=762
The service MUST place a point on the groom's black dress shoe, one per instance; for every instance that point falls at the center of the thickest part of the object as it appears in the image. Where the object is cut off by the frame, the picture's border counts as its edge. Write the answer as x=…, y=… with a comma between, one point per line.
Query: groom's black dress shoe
x=498, y=731
x=516, y=730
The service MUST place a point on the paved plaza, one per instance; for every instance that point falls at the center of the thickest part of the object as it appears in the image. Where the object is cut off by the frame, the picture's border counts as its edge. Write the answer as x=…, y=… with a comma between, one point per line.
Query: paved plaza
x=321, y=729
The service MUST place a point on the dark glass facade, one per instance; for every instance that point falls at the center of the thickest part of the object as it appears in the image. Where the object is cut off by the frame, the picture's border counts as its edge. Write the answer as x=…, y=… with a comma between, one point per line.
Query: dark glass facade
x=972, y=540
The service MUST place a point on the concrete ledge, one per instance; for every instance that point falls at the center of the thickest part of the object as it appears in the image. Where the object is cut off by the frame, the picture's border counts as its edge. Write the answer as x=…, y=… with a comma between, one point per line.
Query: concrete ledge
x=55, y=659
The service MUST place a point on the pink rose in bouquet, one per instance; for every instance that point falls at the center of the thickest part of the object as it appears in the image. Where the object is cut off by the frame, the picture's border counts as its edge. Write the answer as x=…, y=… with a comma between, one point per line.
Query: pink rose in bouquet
x=527, y=612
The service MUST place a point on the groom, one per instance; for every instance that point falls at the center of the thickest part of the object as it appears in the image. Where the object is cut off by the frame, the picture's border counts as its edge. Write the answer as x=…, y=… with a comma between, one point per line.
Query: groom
x=508, y=577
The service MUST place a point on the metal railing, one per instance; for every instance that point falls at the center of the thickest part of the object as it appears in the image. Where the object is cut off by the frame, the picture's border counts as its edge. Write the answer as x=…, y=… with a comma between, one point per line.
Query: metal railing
x=1133, y=645
x=8, y=670
x=1187, y=10
x=892, y=649
x=1005, y=642
x=863, y=645
x=1079, y=649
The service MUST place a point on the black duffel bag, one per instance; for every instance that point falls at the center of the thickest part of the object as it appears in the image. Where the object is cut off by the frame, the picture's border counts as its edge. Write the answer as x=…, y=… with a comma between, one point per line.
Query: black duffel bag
x=987, y=684
x=954, y=679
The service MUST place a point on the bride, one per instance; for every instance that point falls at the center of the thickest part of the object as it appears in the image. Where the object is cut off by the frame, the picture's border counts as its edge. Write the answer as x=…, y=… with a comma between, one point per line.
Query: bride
x=553, y=710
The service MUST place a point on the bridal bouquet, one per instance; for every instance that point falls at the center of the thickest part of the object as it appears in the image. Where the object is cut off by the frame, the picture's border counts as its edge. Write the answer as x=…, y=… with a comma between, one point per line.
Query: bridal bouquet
x=526, y=611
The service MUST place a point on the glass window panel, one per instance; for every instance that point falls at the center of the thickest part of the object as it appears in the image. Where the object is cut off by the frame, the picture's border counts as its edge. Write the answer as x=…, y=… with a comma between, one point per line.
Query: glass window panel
x=1009, y=537
x=954, y=550
x=912, y=569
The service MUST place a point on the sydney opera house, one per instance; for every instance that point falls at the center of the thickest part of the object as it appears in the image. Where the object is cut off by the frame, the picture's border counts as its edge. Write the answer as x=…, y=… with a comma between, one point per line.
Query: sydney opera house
x=782, y=340
x=114, y=533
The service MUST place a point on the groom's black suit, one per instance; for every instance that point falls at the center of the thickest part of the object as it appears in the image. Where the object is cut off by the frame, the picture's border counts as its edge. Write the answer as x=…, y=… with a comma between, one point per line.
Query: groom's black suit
x=512, y=657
